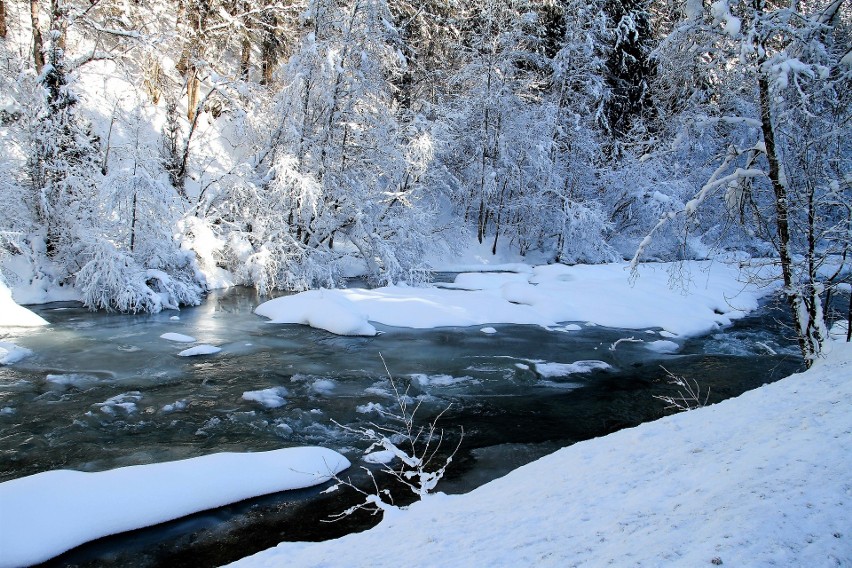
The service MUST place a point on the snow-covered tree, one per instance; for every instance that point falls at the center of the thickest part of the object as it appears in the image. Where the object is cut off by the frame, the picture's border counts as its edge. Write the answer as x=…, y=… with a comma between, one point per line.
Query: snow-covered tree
x=339, y=178
x=779, y=96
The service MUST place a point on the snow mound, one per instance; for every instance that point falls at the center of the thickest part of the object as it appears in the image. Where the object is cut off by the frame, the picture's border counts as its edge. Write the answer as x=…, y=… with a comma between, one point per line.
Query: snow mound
x=177, y=337
x=758, y=480
x=48, y=513
x=203, y=349
x=13, y=315
x=321, y=309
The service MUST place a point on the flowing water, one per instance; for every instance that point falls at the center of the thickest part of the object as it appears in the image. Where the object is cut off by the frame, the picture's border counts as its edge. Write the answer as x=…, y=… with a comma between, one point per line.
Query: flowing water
x=105, y=390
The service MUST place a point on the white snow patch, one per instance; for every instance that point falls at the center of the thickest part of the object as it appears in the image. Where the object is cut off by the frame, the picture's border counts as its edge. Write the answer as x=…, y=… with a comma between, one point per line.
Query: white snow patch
x=663, y=346
x=51, y=512
x=330, y=310
x=488, y=330
x=549, y=370
x=270, y=398
x=178, y=337
x=202, y=349
x=13, y=315
x=759, y=480
x=380, y=457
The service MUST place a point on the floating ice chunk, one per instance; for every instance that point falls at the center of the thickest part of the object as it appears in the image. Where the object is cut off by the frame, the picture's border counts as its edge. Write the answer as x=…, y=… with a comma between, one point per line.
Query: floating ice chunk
x=51, y=512
x=663, y=346
x=203, y=349
x=664, y=333
x=270, y=398
x=125, y=402
x=11, y=353
x=174, y=318
x=177, y=405
x=522, y=366
x=320, y=309
x=178, y=337
x=488, y=330
x=561, y=369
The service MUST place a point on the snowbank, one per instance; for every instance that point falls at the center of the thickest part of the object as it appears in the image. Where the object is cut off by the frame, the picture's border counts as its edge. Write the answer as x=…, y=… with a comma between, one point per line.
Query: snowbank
x=712, y=295
x=48, y=513
x=13, y=315
x=323, y=309
x=760, y=480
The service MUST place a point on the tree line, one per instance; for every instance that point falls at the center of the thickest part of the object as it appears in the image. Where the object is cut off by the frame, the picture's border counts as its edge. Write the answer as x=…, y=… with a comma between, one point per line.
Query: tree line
x=293, y=142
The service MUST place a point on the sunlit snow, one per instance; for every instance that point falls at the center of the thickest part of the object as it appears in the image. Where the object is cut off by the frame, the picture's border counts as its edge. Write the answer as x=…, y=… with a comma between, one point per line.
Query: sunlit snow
x=48, y=513
x=713, y=294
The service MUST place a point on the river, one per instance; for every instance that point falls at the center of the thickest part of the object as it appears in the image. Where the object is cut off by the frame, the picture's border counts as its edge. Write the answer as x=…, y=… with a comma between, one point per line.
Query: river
x=105, y=390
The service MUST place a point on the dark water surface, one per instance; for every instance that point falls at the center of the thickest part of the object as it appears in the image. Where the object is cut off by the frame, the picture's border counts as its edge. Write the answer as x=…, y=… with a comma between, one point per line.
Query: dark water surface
x=104, y=390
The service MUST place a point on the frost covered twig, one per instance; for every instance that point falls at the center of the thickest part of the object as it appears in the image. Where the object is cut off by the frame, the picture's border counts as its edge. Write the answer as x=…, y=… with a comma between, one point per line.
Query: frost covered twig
x=689, y=396
x=630, y=339
x=414, y=449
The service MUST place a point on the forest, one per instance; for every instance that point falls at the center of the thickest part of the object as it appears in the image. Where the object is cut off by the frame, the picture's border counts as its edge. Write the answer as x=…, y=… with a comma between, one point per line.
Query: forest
x=152, y=150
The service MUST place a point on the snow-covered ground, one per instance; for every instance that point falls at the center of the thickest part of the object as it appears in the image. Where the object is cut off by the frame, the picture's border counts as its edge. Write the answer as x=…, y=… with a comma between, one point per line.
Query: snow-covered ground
x=759, y=480
x=46, y=514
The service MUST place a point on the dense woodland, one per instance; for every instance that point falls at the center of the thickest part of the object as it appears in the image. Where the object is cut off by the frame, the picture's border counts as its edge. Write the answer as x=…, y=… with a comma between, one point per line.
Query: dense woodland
x=146, y=144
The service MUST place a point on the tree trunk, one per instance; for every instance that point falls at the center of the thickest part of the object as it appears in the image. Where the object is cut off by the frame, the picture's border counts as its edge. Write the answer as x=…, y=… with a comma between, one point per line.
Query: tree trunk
x=806, y=330
x=2, y=18
x=38, y=42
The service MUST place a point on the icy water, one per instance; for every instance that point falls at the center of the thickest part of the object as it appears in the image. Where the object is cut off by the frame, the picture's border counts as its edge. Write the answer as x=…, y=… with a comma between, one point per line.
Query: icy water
x=105, y=390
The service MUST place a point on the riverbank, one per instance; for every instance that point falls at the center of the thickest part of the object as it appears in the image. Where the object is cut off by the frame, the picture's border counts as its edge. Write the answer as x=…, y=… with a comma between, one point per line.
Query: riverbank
x=759, y=480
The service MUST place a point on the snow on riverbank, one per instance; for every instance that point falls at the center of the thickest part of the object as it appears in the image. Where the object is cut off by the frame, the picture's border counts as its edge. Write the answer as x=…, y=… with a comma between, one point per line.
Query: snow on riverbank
x=713, y=294
x=44, y=515
x=759, y=480
x=13, y=315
